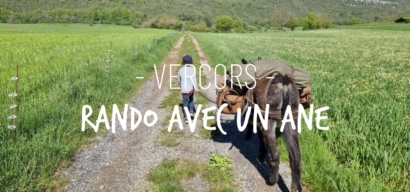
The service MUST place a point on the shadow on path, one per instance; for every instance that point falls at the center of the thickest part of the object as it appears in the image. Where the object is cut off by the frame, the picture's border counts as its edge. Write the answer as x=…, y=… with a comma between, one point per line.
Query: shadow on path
x=248, y=148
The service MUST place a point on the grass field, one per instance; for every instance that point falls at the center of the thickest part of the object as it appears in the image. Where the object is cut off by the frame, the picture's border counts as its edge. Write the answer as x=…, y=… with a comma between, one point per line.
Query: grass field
x=362, y=74
x=62, y=68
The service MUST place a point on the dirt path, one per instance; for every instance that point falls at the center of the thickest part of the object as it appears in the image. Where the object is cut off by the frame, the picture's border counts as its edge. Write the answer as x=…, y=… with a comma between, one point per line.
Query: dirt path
x=120, y=161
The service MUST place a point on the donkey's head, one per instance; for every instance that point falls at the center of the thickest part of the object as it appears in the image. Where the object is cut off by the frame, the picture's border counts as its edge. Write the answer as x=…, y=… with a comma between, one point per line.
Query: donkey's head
x=246, y=62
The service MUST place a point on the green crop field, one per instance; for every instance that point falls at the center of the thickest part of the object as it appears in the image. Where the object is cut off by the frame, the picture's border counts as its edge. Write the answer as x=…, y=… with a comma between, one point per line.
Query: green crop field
x=362, y=75
x=62, y=68
x=360, y=72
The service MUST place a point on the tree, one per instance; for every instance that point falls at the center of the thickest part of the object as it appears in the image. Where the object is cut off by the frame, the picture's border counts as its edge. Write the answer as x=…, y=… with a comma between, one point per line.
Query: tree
x=324, y=21
x=224, y=23
x=12, y=19
x=199, y=27
x=238, y=26
x=283, y=15
x=399, y=14
x=208, y=21
x=292, y=23
x=167, y=22
x=251, y=28
x=3, y=15
x=310, y=22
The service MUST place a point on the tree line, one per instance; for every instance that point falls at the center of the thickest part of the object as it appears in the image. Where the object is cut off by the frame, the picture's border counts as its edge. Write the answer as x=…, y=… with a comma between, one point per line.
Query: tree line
x=281, y=19
x=95, y=15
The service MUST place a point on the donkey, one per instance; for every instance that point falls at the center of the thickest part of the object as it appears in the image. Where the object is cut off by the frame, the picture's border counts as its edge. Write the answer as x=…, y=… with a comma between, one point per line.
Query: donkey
x=278, y=92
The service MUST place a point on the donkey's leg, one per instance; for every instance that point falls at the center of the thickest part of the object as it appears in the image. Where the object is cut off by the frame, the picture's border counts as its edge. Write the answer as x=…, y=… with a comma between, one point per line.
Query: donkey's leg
x=262, y=147
x=270, y=142
x=292, y=144
x=249, y=131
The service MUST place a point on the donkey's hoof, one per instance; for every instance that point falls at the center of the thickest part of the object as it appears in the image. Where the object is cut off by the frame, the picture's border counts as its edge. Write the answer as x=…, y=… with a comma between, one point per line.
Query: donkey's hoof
x=273, y=179
x=296, y=188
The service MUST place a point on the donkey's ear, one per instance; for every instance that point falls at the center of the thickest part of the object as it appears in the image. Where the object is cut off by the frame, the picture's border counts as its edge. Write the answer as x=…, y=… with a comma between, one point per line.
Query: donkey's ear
x=244, y=61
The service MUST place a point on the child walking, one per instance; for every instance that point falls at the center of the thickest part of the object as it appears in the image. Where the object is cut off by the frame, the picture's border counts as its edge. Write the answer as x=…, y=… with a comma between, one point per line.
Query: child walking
x=188, y=83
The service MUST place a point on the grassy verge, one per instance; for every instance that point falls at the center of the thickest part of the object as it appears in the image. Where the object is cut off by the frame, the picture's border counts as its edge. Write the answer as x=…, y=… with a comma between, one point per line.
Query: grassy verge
x=354, y=74
x=61, y=71
x=168, y=175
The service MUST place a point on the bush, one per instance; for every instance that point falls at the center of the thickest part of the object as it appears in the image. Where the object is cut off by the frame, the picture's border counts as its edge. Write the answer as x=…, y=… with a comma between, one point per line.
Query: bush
x=135, y=25
x=213, y=29
x=251, y=28
x=324, y=20
x=311, y=22
x=224, y=23
x=327, y=24
x=199, y=27
x=178, y=26
x=353, y=21
x=3, y=15
x=238, y=26
x=163, y=22
x=167, y=22
x=123, y=22
x=292, y=23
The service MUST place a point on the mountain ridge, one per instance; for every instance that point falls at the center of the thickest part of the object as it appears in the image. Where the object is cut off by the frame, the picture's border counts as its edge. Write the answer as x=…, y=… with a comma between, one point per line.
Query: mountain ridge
x=250, y=11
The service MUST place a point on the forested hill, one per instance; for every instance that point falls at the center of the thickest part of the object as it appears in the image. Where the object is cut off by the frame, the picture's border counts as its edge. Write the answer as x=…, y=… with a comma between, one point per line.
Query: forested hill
x=250, y=11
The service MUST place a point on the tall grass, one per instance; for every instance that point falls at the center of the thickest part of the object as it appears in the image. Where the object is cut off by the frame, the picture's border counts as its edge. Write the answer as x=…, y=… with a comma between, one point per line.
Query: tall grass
x=363, y=76
x=60, y=71
x=13, y=107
